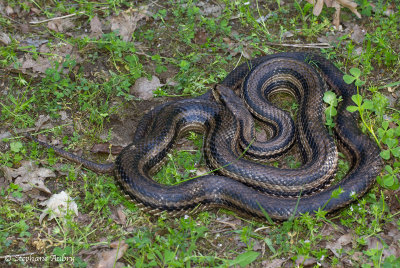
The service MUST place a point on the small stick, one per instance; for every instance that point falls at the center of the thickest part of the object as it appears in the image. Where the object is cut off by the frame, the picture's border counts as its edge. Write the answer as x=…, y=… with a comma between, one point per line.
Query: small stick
x=62, y=17
x=311, y=45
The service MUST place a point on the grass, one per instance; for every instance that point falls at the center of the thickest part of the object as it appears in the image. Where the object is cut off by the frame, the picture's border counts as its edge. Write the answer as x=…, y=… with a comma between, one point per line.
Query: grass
x=84, y=98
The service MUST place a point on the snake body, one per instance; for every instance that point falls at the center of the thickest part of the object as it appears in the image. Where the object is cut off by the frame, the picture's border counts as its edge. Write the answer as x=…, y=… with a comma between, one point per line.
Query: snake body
x=224, y=117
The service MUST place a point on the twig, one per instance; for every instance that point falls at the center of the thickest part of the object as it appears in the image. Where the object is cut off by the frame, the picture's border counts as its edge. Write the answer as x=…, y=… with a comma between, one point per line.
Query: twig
x=311, y=45
x=62, y=17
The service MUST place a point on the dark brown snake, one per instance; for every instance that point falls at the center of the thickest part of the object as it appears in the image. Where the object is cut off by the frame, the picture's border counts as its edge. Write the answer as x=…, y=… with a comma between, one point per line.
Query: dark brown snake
x=247, y=186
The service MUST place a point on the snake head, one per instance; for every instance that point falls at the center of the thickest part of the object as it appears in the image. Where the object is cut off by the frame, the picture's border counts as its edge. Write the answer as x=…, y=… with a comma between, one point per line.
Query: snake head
x=225, y=95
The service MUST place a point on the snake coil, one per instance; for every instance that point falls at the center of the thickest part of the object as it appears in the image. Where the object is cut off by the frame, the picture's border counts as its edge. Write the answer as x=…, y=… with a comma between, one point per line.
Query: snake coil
x=242, y=184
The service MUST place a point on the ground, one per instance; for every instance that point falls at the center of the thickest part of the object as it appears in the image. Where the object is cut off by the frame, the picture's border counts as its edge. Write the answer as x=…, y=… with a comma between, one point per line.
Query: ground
x=80, y=75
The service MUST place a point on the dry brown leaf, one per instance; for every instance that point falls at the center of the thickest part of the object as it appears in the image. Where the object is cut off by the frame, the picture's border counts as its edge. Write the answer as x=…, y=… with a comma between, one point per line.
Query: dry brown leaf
x=109, y=258
x=318, y=7
x=30, y=176
x=350, y=5
x=121, y=216
x=276, y=263
x=358, y=34
x=95, y=28
x=339, y=243
x=144, y=88
x=3, y=183
x=200, y=37
x=39, y=65
x=39, y=123
x=105, y=148
x=4, y=38
x=302, y=261
x=337, y=4
x=9, y=11
x=60, y=25
x=126, y=22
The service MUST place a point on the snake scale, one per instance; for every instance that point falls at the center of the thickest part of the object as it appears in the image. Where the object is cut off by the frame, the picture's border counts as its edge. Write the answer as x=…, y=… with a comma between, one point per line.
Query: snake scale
x=224, y=114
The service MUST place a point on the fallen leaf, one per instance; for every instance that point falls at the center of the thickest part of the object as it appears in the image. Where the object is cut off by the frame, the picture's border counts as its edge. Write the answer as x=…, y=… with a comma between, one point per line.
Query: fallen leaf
x=30, y=176
x=374, y=243
x=9, y=11
x=303, y=262
x=276, y=263
x=350, y=5
x=4, y=183
x=144, y=88
x=200, y=37
x=121, y=216
x=7, y=173
x=60, y=25
x=4, y=39
x=287, y=34
x=109, y=258
x=318, y=7
x=95, y=28
x=125, y=23
x=101, y=148
x=337, y=4
x=5, y=135
x=39, y=123
x=201, y=171
x=39, y=65
x=339, y=243
x=358, y=34
x=58, y=206
x=207, y=9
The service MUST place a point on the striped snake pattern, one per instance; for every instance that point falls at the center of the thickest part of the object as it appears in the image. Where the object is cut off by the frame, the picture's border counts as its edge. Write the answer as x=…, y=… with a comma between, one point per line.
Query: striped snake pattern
x=225, y=116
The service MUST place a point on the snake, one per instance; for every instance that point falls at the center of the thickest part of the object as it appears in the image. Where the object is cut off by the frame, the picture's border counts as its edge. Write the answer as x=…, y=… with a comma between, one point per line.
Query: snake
x=241, y=180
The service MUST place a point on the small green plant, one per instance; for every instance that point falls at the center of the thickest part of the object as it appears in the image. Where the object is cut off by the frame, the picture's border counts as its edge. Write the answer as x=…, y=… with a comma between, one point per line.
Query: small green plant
x=362, y=105
x=390, y=180
x=330, y=111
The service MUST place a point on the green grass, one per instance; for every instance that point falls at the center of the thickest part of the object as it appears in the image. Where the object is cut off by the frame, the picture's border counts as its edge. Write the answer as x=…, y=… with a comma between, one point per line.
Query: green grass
x=95, y=92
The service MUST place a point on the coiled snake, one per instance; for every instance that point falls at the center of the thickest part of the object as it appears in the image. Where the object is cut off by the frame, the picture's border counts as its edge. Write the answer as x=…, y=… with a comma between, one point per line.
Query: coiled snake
x=244, y=185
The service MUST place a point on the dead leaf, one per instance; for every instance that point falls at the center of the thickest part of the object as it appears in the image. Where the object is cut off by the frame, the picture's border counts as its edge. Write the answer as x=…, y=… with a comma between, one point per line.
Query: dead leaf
x=337, y=4
x=374, y=243
x=60, y=25
x=30, y=176
x=9, y=11
x=318, y=7
x=95, y=28
x=350, y=5
x=39, y=65
x=109, y=258
x=339, y=243
x=200, y=37
x=201, y=171
x=7, y=173
x=39, y=123
x=5, y=135
x=101, y=148
x=358, y=34
x=303, y=262
x=276, y=263
x=58, y=206
x=125, y=23
x=3, y=182
x=4, y=39
x=144, y=88
x=121, y=216
x=207, y=9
